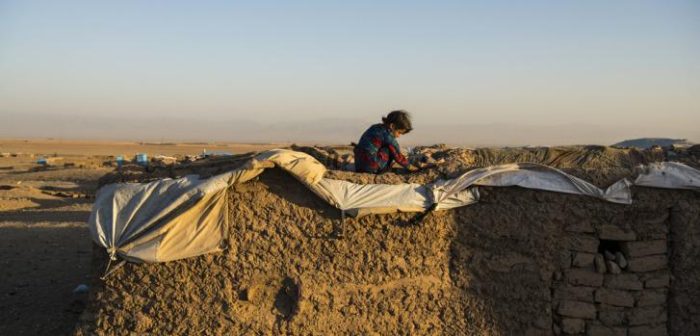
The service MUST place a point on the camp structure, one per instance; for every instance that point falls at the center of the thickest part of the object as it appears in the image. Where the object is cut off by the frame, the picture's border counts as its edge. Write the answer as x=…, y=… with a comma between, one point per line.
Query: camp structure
x=252, y=250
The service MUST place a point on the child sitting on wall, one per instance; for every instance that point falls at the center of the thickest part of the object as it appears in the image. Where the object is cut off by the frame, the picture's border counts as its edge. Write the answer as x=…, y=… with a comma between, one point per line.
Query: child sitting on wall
x=377, y=149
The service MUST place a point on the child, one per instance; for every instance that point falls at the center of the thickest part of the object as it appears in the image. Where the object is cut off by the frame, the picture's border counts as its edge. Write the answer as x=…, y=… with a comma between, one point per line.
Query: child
x=377, y=149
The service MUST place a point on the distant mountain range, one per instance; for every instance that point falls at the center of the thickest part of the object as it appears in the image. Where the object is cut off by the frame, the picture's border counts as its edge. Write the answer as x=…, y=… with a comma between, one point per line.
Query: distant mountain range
x=317, y=131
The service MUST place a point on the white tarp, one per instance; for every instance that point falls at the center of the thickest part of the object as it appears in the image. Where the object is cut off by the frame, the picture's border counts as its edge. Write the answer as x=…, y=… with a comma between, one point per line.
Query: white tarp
x=669, y=175
x=137, y=221
x=173, y=219
x=531, y=176
x=363, y=199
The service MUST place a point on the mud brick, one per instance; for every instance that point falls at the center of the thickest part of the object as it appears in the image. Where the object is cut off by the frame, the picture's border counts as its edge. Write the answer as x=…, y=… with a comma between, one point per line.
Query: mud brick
x=655, y=236
x=570, y=326
x=623, y=281
x=583, y=259
x=577, y=309
x=659, y=219
x=659, y=281
x=575, y=293
x=583, y=243
x=532, y=331
x=612, y=318
x=614, y=297
x=613, y=267
x=599, y=262
x=544, y=322
x=565, y=259
x=620, y=259
x=644, y=248
x=652, y=297
x=648, y=263
x=573, y=326
x=579, y=277
x=600, y=330
x=607, y=307
x=659, y=330
x=612, y=232
x=583, y=227
x=647, y=315
x=557, y=276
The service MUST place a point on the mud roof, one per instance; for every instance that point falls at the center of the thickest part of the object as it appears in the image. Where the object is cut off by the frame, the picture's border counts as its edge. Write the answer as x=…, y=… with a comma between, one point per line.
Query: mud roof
x=599, y=164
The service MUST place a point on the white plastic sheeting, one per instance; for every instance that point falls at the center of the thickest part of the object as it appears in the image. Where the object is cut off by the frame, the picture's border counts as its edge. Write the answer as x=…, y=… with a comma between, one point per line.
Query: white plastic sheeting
x=670, y=175
x=364, y=199
x=531, y=176
x=172, y=219
x=130, y=219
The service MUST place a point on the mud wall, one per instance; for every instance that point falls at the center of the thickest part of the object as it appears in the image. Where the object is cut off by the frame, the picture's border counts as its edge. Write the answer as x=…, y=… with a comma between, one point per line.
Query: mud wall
x=684, y=300
x=519, y=262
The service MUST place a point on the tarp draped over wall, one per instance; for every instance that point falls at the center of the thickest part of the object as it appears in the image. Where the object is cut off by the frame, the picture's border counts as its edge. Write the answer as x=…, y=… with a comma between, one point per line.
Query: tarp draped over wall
x=670, y=175
x=172, y=219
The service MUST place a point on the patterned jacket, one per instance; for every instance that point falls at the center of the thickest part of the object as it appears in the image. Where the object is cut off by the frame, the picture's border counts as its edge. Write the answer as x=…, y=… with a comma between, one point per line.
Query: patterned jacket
x=377, y=150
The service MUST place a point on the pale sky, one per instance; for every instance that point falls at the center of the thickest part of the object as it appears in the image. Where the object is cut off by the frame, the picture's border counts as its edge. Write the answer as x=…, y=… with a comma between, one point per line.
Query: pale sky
x=627, y=65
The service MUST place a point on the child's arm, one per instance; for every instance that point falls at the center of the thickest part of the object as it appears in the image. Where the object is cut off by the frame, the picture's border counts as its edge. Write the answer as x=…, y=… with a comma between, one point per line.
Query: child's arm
x=395, y=153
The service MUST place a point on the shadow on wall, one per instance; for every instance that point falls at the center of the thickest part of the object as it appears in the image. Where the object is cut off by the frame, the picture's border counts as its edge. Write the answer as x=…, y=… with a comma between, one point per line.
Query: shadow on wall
x=522, y=262
x=684, y=300
x=497, y=258
x=502, y=262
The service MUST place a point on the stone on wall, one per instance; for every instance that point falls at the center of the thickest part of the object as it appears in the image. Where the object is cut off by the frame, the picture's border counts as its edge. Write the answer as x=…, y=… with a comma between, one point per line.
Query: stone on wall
x=613, y=232
x=601, y=330
x=648, y=263
x=577, y=309
x=583, y=259
x=579, y=277
x=573, y=326
x=583, y=243
x=623, y=281
x=644, y=248
x=647, y=315
x=614, y=297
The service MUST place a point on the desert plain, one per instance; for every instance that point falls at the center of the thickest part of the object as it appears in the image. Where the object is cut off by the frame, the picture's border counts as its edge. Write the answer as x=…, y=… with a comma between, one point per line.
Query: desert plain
x=45, y=247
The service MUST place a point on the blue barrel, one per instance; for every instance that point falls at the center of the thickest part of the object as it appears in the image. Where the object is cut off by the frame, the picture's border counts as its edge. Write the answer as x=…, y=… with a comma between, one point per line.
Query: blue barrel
x=120, y=161
x=142, y=159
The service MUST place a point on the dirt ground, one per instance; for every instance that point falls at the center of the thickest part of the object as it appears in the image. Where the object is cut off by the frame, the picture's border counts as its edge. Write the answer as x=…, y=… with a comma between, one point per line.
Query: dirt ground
x=45, y=248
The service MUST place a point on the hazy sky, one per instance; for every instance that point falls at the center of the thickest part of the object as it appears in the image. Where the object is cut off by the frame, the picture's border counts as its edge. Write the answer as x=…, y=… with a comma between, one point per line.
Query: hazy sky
x=630, y=63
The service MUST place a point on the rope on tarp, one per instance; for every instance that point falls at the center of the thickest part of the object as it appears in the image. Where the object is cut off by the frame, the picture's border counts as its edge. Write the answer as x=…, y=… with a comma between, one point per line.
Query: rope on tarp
x=339, y=228
x=112, y=257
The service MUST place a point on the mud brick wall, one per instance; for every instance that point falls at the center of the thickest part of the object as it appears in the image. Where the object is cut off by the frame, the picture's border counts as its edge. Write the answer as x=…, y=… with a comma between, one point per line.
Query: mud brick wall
x=684, y=300
x=519, y=262
x=631, y=271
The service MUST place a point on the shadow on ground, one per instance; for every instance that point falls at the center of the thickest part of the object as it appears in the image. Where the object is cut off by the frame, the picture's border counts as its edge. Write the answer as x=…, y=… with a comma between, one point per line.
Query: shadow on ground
x=42, y=265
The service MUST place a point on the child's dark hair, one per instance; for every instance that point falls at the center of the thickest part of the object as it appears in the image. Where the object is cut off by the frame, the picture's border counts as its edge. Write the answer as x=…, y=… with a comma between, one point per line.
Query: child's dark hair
x=400, y=119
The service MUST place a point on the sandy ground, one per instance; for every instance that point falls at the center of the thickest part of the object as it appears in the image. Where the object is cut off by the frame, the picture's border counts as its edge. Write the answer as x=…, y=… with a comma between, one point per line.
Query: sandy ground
x=45, y=248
